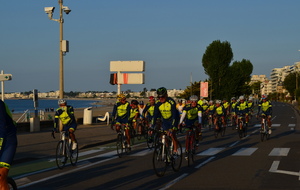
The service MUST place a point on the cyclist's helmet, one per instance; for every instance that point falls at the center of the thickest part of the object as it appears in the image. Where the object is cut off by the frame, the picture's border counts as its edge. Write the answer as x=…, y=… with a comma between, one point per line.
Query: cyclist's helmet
x=194, y=98
x=135, y=102
x=242, y=98
x=250, y=98
x=151, y=97
x=180, y=101
x=233, y=98
x=218, y=101
x=211, y=102
x=264, y=96
x=205, y=102
x=141, y=102
x=62, y=101
x=121, y=96
x=161, y=92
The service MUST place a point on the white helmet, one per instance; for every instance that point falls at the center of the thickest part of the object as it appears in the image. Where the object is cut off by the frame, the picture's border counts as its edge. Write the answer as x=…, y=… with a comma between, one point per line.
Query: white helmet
x=241, y=98
x=62, y=101
x=218, y=101
x=194, y=98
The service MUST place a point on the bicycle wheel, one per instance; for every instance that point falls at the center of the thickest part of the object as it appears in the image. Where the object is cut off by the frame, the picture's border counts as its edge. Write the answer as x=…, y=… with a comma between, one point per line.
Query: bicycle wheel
x=61, y=157
x=177, y=159
x=245, y=129
x=139, y=133
x=191, y=151
x=159, y=160
x=119, y=145
x=223, y=129
x=240, y=129
x=73, y=154
x=11, y=183
x=150, y=140
x=132, y=135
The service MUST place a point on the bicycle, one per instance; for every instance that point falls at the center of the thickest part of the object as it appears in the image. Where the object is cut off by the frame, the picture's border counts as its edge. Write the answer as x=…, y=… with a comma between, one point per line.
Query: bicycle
x=122, y=145
x=190, y=144
x=152, y=137
x=11, y=183
x=242, y=126
x=233, y=120
x=64, y=150
x=210, y=121
x=220, y=128
x=163, y=155
x=141, y=127
x=264, y=133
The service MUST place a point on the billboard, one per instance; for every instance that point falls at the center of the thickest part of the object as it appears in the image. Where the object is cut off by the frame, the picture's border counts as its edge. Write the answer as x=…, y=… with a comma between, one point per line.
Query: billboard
x=204, y=89
x=127, y=66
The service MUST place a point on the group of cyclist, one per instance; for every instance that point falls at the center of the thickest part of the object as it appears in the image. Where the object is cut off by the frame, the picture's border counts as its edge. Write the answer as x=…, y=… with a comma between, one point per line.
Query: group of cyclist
x=193, y=113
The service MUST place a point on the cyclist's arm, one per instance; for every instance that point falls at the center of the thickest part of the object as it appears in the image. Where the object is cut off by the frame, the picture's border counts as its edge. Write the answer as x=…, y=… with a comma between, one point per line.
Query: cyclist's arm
x=182, y=117
x=2, y=122
x=200, y=116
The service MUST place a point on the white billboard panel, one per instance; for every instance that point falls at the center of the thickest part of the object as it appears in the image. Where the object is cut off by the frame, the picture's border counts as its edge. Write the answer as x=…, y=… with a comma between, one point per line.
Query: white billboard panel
x=131, y=78
x=127, y=66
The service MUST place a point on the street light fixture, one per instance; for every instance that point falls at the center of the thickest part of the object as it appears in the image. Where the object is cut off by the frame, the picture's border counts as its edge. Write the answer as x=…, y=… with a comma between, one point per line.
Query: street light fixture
x=63, y=44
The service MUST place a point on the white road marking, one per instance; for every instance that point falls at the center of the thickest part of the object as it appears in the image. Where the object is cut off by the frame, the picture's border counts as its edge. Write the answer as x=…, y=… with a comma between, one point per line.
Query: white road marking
x=211, y=151
x=245, y=152
x=279, y=152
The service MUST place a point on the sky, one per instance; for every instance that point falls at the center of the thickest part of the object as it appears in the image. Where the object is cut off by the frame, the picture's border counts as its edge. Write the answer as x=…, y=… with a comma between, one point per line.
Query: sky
x=171, y=36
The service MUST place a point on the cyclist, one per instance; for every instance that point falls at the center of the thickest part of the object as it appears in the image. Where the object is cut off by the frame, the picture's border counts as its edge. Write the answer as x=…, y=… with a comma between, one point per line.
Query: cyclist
x=65, y=113
x=201, y=101
x=250, y=105
x=204, y=113
x=242, y=109
x=192, y=113
x=8, y=143
x=134, y=115
x=148, y=113
x=180, y=107
x=232, y=110
x=210, y=112
x=219, y=113
x=166, y=110
x=265, y=106
x=120, y=115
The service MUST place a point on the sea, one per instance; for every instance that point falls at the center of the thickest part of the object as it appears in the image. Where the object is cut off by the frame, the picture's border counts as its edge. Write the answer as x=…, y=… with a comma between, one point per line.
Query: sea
x=21, y=105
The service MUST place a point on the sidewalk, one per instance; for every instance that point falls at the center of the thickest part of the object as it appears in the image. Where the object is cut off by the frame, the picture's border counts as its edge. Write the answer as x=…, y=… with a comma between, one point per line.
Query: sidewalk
x=37, y=145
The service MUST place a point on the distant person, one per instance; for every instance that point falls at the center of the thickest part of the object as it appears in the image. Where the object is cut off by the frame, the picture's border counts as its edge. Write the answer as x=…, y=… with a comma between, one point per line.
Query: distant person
x=65, y=113
x=8, y=143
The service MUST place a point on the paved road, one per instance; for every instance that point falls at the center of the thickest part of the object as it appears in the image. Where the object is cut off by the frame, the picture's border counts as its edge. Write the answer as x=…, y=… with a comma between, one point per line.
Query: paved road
x=222, y=163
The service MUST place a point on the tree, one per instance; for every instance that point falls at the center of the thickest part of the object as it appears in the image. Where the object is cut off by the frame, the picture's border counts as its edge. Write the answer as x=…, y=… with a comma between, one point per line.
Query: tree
x=215, y=61
x=289, y=83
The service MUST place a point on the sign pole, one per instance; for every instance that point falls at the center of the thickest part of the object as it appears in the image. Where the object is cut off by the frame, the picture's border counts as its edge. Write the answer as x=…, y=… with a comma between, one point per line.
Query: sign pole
x=2, y=87
x=119, y=85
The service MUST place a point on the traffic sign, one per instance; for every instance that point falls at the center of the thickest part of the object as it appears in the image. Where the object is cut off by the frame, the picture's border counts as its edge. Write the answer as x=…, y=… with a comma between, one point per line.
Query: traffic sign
x=4, y=77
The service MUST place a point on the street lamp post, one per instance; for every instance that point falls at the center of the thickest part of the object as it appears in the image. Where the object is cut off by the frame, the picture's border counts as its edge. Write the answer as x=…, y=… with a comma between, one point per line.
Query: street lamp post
x=63, y=44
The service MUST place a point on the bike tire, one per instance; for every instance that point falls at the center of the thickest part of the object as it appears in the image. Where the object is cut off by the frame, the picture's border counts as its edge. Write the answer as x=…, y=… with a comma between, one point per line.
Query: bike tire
x=11, y=183
x=159, y=160
x=223, y=129
x=139, y=136
x=262, y=136
x=119, y=145
x=177, y=161
x=150, y=140
x=245, y=130
x=132, y=135
x=73, y=154
x=61, y=157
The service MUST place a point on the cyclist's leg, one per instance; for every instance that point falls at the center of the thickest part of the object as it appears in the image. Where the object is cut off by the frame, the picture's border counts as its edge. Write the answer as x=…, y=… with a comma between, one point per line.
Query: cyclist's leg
x=72, y=128
x=269, y=123
x=6, y=157
x=127, y=133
